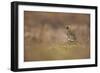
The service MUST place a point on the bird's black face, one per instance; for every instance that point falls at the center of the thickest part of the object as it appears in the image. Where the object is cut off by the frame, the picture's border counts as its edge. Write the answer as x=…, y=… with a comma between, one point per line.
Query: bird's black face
x=67, y=27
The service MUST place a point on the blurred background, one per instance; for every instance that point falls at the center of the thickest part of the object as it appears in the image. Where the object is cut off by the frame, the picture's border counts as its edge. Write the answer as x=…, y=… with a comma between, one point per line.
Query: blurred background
x=56, y=36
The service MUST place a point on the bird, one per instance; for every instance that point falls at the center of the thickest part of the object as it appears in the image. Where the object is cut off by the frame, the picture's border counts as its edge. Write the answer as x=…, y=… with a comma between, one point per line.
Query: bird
x=70, y=34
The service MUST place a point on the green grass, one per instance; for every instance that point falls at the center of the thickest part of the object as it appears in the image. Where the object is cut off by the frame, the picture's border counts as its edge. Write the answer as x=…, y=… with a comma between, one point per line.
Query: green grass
x=65, y=51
